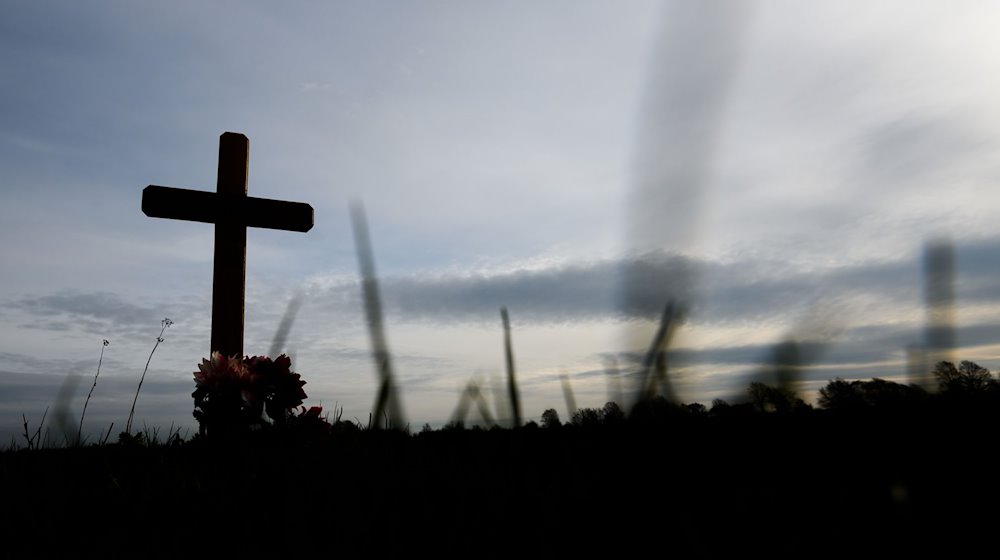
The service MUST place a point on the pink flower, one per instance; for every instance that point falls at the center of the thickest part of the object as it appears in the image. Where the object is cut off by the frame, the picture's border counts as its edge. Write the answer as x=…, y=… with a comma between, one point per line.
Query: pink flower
x=221, y=374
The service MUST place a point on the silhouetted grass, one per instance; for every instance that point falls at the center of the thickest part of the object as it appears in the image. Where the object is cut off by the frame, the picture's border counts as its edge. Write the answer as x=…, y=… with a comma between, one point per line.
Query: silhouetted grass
x=387, y=400
x=128, y=425
x=34, y=440
x=512, y=393
x=104, y=344
x=667, y=479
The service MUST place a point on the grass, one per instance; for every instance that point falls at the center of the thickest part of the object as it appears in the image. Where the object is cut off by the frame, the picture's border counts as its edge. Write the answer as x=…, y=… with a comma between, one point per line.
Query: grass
x=91, y=392
x=512, y=393
x=128, y=425
x=34, y=441
x=387, y=402
x=698, y=484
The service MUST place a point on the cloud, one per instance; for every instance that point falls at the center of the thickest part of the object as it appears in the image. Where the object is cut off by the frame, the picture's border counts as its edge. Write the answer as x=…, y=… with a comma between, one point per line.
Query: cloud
x=916, y=149
x=717, y=292
x=22, y=362
x=115, y=317
x=97, y=307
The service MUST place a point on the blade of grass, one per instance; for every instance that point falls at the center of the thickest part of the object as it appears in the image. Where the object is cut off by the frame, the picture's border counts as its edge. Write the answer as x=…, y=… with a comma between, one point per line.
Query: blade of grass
x=92, y=387
x=38, y=432
x=387, y=400
x=166, y=322
x=661, y=340
x=462, y=408
x=108, y=435
x=512, y=392
x=568, y=396
x=61, y=413
x=285, y=326
x=472, y=394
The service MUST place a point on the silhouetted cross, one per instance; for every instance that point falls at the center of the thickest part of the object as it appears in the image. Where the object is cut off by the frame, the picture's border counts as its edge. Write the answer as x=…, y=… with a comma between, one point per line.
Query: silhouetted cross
x=232, y=211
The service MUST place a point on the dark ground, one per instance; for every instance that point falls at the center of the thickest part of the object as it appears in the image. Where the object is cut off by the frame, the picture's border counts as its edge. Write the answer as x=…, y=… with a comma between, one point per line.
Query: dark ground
x=764, y=485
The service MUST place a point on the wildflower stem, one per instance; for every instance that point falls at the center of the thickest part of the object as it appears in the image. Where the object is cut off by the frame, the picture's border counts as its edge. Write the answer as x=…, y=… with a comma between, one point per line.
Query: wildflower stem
x=128, y=425
x=92, y=387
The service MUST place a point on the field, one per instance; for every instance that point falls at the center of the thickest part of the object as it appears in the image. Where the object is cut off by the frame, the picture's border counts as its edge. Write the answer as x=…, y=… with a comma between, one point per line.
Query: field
x=694, y=484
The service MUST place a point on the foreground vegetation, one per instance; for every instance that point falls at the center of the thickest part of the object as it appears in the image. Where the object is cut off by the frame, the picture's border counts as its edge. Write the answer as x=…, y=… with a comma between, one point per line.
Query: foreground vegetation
x=878, y=468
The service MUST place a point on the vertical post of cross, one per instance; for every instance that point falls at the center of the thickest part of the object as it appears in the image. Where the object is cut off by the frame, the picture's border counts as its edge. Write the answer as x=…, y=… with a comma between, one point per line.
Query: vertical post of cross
x=229, y=274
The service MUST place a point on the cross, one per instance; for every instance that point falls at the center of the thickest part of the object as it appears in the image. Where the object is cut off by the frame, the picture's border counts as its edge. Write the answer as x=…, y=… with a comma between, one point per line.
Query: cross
x=232, y=211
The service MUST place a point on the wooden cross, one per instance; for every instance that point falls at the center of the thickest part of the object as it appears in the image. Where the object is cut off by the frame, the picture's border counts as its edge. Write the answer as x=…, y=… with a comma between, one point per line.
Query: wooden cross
x=232, y=211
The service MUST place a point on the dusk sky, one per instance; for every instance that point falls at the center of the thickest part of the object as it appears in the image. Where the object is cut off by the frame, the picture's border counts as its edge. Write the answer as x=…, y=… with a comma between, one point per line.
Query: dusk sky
x=777, y=167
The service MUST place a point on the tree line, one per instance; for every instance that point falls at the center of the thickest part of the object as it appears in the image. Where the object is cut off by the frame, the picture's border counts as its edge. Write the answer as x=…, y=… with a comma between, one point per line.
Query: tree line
x=967, y=385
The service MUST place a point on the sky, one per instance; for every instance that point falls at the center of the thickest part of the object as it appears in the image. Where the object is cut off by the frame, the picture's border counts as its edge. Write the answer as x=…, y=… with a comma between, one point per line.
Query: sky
x=777, y=168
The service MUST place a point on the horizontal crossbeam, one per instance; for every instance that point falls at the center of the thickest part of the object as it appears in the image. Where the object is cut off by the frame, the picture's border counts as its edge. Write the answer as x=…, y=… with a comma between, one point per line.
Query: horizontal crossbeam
x=215, y=208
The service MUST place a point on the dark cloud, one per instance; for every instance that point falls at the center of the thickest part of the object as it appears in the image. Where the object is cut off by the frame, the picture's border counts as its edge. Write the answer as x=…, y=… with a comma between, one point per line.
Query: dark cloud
x=558, y=294
x=862, y=345
x=715, y=292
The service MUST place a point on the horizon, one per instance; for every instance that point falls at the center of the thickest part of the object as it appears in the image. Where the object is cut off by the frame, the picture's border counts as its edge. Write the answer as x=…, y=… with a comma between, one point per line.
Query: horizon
x=781, y=170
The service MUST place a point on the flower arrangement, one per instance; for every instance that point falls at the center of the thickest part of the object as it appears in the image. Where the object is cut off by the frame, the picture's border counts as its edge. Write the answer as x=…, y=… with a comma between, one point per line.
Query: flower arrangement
x=236, y=396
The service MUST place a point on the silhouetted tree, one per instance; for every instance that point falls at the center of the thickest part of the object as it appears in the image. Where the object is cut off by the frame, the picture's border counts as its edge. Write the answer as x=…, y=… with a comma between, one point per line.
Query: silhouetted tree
x=696, y=408
x=654, y=411
x=719, y=406
x=586, y=417
x=855, y=395
x=882, y=393
x=612, y=414
x=968, y=378
x=946, y=373
x=841, y=395
x=550, y=419
x=766, y=398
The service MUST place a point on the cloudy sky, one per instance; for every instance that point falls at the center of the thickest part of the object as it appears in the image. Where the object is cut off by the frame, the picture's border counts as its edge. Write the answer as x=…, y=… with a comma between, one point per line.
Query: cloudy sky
x=778, y=168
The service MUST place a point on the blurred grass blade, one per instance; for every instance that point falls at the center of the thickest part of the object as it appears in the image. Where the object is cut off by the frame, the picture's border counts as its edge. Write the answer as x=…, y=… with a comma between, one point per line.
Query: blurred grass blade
x=484, y=408
x=512, y=392
x=387, y=402
x=469, y=395
x=61, y=412
x=653, y=376
x=285, y=326
x=462, y=408
x=939, y=301
x=568, y=396
x=804, y=345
